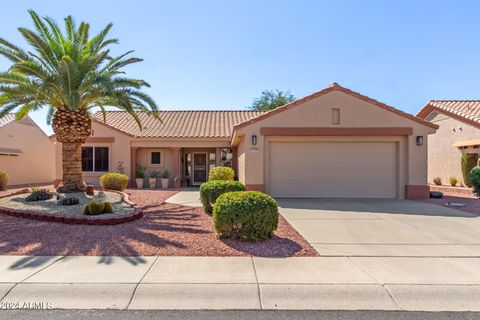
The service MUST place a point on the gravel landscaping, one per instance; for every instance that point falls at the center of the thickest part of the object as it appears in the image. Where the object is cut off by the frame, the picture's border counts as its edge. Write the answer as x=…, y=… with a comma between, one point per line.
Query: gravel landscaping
x=18, y=202
x=472, y=204
x=165, y=230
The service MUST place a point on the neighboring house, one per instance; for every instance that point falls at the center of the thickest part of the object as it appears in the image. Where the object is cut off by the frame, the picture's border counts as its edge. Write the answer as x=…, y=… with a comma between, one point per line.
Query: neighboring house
x=459, y=132
x=26, y=153
x=333, y=143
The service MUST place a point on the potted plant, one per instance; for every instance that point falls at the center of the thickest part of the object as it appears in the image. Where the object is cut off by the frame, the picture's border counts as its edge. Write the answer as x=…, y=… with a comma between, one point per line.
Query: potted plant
x=165, y=179
x=152, y=180
x=139, y=175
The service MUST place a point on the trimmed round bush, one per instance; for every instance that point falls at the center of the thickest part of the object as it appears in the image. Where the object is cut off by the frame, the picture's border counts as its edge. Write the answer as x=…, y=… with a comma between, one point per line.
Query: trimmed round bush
x=475, y=180
x=114, y=181
x=245, y=215
x=221, y=173
x=211, y=190
x=3, y=180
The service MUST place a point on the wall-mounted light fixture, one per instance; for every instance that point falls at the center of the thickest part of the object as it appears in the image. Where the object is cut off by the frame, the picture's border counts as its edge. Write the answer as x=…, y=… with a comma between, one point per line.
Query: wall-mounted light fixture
x=419, y=140
x=254, y=139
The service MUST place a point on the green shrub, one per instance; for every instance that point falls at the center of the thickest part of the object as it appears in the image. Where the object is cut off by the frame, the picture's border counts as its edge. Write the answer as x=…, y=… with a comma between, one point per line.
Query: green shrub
x=221, y=173
x=108, y=207
x=211, y=190
x=245, y=215
x=97, y=207
x=114, y=181
x=3, y=180
x=453, y=181
x=165, y=174
x=475, y=180
x=39, y=195
x=469, y=161
x=437, y=181
x=70, y=201
x=139, y=172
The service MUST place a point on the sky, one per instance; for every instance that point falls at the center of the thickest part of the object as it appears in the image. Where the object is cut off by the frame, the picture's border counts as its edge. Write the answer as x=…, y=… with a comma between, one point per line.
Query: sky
x=221, y=54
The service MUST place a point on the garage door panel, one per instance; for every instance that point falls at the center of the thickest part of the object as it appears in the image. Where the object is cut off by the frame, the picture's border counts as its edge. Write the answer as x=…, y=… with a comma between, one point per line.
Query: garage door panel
x=333, y=169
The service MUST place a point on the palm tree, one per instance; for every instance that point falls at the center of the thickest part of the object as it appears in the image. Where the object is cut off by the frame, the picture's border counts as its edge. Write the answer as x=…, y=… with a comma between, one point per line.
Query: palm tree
x=69, y=73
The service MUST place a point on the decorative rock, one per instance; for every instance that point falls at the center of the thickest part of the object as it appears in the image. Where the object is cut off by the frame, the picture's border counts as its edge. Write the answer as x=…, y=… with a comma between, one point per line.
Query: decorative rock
x=436, y=195
x=89, y=190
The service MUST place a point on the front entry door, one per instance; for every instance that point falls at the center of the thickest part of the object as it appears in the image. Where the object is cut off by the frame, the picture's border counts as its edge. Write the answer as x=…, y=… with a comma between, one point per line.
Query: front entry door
x=199, y=168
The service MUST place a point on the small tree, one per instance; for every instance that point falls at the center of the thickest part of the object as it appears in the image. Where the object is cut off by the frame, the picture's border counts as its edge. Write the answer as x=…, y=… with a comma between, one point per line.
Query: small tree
x=475, y=180
x=270, y=100
x=469, y=161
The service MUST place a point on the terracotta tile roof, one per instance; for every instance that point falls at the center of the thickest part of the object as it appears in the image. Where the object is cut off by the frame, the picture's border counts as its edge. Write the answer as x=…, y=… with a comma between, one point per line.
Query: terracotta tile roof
x=336, y=87
x=7, y=119
x=466, y=110
x=178, y=124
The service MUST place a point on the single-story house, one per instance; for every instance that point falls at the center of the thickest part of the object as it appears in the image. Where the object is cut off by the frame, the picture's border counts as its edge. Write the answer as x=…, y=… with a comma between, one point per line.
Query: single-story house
x=459, y=132
x=333, y=143
x=26, y=153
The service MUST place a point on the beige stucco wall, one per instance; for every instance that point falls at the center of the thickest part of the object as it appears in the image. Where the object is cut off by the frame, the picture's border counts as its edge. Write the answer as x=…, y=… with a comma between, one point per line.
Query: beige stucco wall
x=37, y=163
x=444, y=160
x=317, y=112
x=120, y=150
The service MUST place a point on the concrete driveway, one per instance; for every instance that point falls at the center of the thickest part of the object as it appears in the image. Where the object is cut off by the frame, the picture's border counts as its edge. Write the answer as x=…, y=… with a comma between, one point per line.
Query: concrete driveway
x=387, y=228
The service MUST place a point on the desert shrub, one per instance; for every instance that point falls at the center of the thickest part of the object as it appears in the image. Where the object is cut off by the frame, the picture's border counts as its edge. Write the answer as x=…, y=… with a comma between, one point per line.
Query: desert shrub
x=437, y=181
x=469, y=161
x=211, y=190
x=3, y=180
x=108, y=207
x=114, y=181
x=475, y=180
x=39, y=195
x=453, y=181
x=97, y=207
x=245, y=215
x=221, y=173
x=70, y=201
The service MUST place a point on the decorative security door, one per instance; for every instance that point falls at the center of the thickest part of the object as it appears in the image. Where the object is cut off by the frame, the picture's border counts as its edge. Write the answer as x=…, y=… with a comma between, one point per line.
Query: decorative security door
x=199, y=168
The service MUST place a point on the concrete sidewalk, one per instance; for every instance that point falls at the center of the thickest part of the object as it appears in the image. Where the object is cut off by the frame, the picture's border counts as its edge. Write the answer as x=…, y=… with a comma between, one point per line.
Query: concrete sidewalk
x=345, y=283
x=186, y=197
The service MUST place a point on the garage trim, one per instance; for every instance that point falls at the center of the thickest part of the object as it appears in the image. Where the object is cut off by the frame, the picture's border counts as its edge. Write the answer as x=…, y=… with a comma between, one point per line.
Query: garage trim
x=327, y=131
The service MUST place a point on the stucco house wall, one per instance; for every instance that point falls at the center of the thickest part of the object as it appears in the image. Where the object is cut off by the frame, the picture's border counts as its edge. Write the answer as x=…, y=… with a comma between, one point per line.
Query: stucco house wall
x=36, y=163
x=444, y=158
x=317, y=112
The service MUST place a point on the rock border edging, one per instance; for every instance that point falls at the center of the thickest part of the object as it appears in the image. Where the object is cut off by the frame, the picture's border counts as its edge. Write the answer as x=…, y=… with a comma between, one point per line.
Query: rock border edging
x=68, y=219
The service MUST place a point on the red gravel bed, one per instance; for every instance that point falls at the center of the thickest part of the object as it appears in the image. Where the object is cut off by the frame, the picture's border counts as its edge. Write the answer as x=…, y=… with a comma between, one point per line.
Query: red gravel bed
x=165, y=230
x=472, y=204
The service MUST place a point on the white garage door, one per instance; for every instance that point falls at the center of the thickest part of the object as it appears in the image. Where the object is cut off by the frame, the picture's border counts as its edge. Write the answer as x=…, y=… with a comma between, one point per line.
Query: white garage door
x=333, y=169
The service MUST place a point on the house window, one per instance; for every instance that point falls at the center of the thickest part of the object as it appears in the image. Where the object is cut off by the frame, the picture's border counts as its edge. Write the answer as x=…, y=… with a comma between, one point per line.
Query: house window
x=335, y=116
x=95, y=159
x=155, y=157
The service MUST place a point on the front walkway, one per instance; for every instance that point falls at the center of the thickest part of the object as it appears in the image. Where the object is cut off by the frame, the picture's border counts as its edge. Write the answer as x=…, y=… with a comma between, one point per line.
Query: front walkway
x=186, y=197
x=345, y=283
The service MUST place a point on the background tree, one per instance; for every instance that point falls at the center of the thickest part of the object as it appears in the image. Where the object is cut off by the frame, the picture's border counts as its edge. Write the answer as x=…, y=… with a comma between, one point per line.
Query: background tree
x=271, y=99
x=69, y=73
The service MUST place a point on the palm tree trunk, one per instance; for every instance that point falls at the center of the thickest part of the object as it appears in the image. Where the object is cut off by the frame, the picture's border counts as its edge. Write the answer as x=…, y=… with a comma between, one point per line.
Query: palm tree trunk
x=72, y=168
